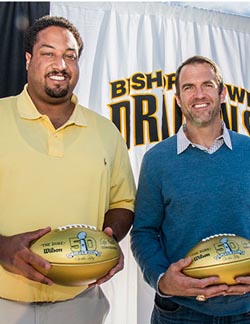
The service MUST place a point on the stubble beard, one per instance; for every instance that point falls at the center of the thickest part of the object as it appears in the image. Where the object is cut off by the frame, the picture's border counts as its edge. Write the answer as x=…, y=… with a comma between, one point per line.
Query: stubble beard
x=206, y=120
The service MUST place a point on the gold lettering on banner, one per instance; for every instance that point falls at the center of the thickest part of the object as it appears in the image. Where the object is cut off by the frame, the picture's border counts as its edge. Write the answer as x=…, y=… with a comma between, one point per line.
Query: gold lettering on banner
x=144, y=109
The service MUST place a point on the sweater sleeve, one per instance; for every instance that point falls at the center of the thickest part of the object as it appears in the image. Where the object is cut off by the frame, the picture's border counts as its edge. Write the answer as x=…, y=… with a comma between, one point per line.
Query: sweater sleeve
x=149, y=213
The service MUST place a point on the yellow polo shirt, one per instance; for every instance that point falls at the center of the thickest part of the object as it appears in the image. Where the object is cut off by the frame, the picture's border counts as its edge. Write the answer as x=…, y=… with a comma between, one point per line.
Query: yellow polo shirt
x=53, y=177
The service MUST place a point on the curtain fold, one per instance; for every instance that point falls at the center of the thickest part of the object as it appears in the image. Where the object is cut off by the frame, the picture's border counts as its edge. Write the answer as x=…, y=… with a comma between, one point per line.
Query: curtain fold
x=15, y=17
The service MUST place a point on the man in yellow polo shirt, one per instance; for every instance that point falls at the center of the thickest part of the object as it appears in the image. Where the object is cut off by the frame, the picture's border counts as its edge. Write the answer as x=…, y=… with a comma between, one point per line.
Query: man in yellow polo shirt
x=60, y=163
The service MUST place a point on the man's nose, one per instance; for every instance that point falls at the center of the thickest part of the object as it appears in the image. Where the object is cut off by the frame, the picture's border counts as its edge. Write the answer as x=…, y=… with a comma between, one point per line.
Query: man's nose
x=59, y=63
x=199, y=92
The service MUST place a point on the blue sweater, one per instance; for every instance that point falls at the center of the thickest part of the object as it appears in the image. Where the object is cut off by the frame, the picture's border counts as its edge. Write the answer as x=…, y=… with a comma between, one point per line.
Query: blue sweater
x=184, y=198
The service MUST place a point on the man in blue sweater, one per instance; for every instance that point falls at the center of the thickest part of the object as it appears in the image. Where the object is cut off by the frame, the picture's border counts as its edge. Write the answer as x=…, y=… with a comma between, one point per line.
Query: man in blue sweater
x=193, y=185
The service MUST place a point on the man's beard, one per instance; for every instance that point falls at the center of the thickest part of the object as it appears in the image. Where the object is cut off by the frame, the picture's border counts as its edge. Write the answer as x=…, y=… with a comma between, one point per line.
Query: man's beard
x=57, y=92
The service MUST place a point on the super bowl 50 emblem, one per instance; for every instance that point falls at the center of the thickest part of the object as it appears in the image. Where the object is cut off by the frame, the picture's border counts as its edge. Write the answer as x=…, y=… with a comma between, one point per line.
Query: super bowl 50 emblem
x=82, y=245
x=227, y=247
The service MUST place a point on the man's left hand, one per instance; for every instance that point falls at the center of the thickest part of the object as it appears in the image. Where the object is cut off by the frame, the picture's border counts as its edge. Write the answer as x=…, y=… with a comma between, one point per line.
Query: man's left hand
x=118, y=267
x=241, y=288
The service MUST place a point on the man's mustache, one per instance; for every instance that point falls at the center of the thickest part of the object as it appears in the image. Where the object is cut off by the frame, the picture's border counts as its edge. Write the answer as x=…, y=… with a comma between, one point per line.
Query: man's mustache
x=56, y=72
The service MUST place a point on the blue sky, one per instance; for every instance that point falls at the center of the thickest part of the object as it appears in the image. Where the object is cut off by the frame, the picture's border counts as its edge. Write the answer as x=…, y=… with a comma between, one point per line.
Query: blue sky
x=241, y=8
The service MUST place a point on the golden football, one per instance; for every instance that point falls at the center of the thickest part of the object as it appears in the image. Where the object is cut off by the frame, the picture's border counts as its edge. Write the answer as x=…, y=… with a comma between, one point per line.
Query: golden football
x=79, y=254
x=223, y=255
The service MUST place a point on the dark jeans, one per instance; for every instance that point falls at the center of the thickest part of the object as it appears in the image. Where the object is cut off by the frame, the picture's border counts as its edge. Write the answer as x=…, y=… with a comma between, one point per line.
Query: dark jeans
x=167, y=312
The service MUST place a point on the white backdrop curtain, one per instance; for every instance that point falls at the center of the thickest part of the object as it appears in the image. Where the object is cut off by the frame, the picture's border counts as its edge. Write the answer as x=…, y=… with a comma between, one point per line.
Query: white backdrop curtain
x=127, y=71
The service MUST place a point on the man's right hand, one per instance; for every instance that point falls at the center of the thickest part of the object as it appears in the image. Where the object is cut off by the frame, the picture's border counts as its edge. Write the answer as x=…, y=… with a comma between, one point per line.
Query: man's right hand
x=175, y=283
x=16, y=257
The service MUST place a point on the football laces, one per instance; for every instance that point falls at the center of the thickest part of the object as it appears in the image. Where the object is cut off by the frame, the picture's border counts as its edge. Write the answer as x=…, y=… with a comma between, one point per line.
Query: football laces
x=65, y=227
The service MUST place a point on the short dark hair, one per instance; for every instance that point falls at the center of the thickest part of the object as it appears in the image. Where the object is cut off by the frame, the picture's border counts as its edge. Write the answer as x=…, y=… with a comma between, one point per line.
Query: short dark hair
x=30, y=37
x=201, y=60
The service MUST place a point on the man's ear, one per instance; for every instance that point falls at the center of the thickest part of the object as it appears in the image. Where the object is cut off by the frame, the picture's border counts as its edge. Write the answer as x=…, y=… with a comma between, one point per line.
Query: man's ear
x=223, y=94
x=177, y=100
x=28, y=58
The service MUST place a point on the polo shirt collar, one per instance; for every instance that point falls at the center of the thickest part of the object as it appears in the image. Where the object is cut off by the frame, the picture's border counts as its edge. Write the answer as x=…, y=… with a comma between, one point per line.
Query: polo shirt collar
x=183, y=142
x=27, y=109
